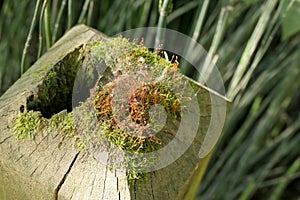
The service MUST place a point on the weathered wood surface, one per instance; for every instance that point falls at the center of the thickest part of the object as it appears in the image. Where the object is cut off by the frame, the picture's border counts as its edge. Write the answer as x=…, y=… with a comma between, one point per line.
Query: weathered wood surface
x=37, y=169
x=51, y=168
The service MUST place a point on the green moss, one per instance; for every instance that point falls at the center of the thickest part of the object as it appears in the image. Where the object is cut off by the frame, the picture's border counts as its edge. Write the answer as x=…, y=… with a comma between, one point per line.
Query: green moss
x=125, y=57
x=27, y=124
x=144, y=140
x=64, y=123
x=122, y=55
x=55, y=91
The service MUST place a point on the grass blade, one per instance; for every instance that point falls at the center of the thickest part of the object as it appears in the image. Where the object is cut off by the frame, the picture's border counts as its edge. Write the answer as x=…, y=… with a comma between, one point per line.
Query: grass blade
x=29, y=36
x=252, y=45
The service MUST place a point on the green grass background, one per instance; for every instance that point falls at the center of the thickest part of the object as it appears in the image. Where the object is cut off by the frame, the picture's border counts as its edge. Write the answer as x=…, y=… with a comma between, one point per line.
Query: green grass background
x=256, y=45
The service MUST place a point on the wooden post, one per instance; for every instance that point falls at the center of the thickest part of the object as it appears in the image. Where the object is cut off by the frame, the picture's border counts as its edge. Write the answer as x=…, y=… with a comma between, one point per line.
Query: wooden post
x=49, y=167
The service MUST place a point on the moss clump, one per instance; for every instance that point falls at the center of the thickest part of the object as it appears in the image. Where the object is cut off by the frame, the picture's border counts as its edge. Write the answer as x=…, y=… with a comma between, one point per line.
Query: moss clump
x=64, y=122
x=143, y=139
x=27, y=124
x=146, y=96
x=132, y=129
x=125, y=57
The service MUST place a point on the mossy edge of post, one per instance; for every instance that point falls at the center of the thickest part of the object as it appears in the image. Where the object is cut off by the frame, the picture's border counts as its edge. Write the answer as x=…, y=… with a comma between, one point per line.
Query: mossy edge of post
x=29, y=123
x=49, y=105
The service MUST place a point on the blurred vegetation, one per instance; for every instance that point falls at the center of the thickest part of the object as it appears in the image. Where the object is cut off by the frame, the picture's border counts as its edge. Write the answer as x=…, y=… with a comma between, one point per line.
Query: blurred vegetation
x=256, y=46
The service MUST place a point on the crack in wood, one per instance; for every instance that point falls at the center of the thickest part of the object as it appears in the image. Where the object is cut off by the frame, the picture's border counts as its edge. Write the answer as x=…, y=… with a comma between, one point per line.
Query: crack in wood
x=44, y=168
x=75, y=188
x=72, y=194
x=33, y=172
x=20, y=158
x=64, y=177
x=60, y=142
x=93, y=182
x=134, y=189
x=5, y=139
x=62, y=157
x=152, y=186
x=118, y=189
x=105, y=177
x=37, y=144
